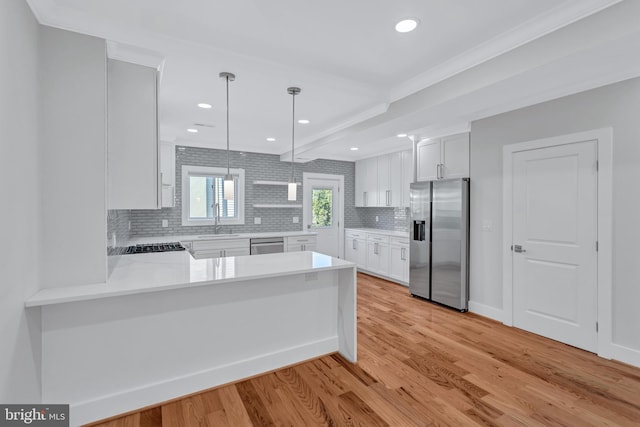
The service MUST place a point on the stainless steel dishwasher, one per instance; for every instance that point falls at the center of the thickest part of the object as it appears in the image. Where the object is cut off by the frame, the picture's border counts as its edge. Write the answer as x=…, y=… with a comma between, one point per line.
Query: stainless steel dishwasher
x=267, y=245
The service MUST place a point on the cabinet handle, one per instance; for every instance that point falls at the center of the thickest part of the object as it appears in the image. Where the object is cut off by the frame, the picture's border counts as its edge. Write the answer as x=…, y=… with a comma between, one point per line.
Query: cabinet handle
x=403, y=255
x=388, y=197
x=364, y=198
x=355, y=244
x=375, y=248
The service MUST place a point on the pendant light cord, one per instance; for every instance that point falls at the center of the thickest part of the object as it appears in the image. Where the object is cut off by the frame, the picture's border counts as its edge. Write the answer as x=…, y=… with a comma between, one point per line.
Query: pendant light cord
x=227, y=78
x=293, y=132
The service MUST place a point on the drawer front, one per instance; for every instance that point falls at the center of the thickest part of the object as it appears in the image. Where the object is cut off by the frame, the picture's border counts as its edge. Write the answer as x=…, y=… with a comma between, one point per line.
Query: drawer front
x=399, y=241
x=380, y=238
x=298, y=240
x=205, y=245
x=354, y=234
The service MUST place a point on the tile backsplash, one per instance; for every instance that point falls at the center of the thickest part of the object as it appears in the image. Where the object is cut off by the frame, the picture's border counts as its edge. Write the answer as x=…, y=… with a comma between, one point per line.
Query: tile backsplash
x=387, y=218
x=118, y=226
x=257, y=166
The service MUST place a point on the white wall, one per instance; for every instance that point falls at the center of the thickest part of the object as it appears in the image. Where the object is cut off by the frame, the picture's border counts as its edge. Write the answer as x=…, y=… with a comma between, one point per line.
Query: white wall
x=615, y=106
x=73, y=154
x=20, y=348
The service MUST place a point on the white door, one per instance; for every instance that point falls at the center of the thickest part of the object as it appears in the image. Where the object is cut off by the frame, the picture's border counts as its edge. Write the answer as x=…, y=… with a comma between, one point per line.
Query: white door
x=323, y=211
x=554, y=236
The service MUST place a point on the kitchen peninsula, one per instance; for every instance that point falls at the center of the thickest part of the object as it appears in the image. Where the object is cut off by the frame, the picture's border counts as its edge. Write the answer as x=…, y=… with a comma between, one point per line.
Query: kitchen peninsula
x=166, y=325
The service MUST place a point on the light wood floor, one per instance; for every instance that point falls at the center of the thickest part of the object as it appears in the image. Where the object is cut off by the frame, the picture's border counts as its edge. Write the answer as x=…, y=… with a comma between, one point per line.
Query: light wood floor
x=421, y=364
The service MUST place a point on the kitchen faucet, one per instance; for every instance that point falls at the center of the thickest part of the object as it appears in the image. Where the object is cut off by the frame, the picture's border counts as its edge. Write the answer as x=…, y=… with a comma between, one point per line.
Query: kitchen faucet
x=216, y=226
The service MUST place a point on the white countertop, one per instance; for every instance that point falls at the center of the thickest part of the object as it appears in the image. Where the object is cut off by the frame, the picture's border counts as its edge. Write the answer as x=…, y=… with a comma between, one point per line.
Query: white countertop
x=380, y=231
x=153, y=272
x=221, y=236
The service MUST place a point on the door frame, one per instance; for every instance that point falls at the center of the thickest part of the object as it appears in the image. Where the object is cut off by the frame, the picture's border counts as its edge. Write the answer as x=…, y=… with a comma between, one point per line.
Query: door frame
x=306, y=176
x=604, y=232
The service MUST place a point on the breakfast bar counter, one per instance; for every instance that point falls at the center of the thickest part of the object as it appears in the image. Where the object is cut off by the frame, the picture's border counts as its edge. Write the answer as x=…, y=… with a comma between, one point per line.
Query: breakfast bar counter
x=167, y=325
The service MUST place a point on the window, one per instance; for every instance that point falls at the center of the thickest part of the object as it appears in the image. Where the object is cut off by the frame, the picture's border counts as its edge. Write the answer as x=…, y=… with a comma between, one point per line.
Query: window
x=322, y=207
x=203, y=196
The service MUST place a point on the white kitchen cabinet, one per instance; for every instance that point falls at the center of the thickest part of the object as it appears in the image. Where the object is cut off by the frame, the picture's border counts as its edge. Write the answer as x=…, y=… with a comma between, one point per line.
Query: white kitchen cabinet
x=219, y=248
x=378, y=254
x=300, y=243
x=356, y=248
x=168, y=173
x=399, y=259
x=367, y=182
x=446, y=157
x=384, y=180
x=400, y=177
x=407, y=177
x=132, y=123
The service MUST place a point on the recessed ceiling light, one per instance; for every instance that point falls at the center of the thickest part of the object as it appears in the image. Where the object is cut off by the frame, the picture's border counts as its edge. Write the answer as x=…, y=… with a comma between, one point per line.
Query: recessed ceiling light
x=354, y=148
x=407, y=25
x=303, y=121
x=192, y=130
x=401, y=135
x=271, y=139
x=204, y=105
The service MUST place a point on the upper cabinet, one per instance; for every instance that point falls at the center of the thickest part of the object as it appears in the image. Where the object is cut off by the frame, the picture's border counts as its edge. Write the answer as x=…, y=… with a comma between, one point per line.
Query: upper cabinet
x=168, y=174
x=384, y=180
x=133, y=160
x=446, y=157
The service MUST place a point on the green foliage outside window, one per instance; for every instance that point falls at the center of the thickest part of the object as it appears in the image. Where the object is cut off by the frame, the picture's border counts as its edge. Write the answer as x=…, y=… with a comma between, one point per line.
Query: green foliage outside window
x=322, y=207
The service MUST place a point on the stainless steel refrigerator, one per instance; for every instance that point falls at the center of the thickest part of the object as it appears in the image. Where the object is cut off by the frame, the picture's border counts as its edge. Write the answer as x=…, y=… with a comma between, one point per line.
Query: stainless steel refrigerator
x=439, y=252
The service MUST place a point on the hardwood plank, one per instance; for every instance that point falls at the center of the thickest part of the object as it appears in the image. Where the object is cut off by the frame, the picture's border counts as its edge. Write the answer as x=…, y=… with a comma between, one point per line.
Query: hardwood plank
x=234, y=409
x=254, y=405
x=421, y=365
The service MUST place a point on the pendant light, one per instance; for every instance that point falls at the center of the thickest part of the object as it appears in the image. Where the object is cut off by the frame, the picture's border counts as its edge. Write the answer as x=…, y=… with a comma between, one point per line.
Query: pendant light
x=229, y=184
x=293, y=187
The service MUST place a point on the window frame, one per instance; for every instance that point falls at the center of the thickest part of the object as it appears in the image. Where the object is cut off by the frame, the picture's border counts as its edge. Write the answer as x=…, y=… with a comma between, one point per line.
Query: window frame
x=187, y=171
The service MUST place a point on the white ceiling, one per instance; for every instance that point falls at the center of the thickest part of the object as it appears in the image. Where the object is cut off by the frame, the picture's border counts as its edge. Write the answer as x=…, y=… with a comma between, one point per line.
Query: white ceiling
x=361, y=81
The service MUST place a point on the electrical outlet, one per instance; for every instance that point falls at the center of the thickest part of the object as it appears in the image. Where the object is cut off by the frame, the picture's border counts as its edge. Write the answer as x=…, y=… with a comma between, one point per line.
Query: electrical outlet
x=376, y=218
x=257, y=220
x=296, y=219
x=165, y=222
x=129, y=225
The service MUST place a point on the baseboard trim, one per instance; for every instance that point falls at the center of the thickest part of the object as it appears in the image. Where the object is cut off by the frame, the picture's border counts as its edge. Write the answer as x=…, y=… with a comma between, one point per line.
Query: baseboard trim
x=486, y=310
x=625, y=354
x=390, y=279
x=171, y=388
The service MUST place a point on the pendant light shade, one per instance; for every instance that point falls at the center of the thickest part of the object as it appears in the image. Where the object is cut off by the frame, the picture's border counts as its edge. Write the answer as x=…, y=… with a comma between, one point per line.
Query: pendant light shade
x=293, y=187
x=229, y=184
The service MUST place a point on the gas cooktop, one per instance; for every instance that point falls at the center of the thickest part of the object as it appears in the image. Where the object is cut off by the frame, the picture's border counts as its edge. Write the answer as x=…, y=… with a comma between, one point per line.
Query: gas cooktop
x=154, y=247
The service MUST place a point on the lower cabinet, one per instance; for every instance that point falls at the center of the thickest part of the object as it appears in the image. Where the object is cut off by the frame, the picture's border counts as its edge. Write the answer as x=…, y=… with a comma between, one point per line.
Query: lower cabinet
x=379, y=254
x=355, y=248
x=220, y=248
x=300, y=243
x=399, y=259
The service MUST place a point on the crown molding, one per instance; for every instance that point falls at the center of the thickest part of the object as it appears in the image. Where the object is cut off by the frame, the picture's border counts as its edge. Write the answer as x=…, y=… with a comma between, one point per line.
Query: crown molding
x=527, y=32
x=135, y=55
